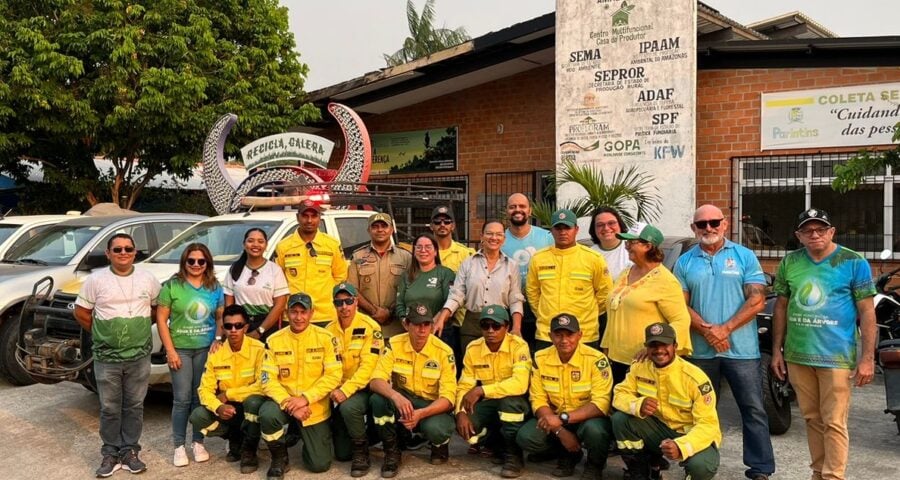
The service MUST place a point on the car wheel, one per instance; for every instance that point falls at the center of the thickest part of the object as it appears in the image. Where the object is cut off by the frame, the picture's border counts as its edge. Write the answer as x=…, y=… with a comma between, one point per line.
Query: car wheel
x=9, y=367
x=776, y=403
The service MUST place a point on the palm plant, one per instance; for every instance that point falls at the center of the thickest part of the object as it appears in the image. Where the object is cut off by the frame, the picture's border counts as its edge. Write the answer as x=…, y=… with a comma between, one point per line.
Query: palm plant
x=629, y=191
x=424, y=38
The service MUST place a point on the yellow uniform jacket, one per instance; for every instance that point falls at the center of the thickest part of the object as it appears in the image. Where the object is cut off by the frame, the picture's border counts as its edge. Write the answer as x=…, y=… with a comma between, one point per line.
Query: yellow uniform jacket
x=236, y=374
x=314, y=275
x=503, y=373
x=687, y=402
x=306, y=363
x=361, y=346
x=574, y=280
x=454, y=256
x=430, y=374
x=586, y=378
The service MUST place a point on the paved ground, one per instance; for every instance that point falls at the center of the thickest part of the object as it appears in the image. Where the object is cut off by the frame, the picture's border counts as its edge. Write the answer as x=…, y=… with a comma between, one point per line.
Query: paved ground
x=50, y=432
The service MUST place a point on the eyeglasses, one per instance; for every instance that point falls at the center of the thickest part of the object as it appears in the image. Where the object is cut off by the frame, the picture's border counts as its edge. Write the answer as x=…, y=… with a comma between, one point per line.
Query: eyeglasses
x=196, y=261
x=488, y=325
x=340, y=302
x=253, y=275
x=701, y=224
x=808, y=232
x=445, y=221
x=608, y=225
x=233, y=326
x=122, y=249
x=312, y=250
x=424, y=248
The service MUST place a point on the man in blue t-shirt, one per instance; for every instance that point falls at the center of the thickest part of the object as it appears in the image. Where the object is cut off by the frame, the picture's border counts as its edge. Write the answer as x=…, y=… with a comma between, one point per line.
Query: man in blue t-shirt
x=522, y=240
x=725, y=288
x=822, y=289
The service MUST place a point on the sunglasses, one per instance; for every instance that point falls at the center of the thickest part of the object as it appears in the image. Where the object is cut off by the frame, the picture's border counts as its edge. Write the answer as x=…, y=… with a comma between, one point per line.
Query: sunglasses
x=490, y=326
x=312, y=250
x=122, y=249
x=701, y=224
x=196, y=261
x=233, y=326
x=253, y=275
x=446, y=221
x=340, y=302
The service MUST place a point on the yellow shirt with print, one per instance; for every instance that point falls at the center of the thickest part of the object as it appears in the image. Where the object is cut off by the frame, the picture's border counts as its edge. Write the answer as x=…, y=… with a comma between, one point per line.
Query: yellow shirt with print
x=429, y=374
x=687, y=402
x=236, y=374
x=306, y=363
x=563, y=387
x=573, y=280
x=314, y=275
x=655, y=297
x=452, y=258
x=361, y=346
x=503, y=373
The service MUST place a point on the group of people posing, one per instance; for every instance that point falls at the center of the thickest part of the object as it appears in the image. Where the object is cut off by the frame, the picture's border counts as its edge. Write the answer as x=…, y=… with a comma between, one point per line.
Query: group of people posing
x=532, y=344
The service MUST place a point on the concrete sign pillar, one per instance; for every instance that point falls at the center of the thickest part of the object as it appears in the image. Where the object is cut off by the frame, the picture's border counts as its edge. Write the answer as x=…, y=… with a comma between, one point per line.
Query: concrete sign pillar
x=625, y=95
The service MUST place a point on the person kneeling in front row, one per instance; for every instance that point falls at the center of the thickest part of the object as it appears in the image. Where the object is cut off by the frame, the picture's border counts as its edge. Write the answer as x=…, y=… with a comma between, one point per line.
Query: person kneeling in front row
x=571, y=385
x=230, y=382
x=667, y=406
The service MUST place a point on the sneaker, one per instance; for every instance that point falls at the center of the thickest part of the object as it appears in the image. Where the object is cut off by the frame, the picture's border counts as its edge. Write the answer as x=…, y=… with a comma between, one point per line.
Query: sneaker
x=108, y=466
x=180, y=459
x=200, y=453
x=132, y=463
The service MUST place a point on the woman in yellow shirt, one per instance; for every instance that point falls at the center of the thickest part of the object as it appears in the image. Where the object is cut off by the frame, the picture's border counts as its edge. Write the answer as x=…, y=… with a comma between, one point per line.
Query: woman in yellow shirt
x=644, y=294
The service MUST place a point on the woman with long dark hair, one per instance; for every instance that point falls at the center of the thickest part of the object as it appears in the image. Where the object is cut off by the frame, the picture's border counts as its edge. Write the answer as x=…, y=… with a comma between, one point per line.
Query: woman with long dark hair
x=189, y=319
x=258, y=285
x=428, y=283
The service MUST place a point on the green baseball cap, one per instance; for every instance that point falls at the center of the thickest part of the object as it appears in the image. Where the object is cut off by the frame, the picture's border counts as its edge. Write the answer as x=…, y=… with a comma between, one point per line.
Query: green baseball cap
x=659, y=332
x=418, y=314
x=643, y=231
x=495, y=313
x=345, y=287
x=563, y=216
x=301, y=299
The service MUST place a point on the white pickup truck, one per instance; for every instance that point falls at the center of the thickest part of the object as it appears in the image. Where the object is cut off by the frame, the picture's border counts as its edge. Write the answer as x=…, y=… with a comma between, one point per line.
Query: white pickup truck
x=58, y=349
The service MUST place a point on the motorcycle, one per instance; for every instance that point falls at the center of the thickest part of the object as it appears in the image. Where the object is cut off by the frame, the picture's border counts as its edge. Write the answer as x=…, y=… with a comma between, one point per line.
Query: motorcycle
x=777, y=394
x=887, y=352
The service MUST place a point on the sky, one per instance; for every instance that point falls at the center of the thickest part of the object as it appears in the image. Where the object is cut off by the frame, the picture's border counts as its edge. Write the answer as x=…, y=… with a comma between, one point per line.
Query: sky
x=344, y=39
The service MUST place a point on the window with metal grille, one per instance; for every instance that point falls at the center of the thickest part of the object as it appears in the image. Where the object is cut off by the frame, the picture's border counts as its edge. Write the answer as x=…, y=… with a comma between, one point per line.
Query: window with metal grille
x=770, y=192
x=411, y=222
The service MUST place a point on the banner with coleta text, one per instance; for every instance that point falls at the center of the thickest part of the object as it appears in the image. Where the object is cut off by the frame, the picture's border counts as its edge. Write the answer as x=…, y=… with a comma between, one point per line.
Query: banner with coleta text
x=864, y=115
x=625, y=94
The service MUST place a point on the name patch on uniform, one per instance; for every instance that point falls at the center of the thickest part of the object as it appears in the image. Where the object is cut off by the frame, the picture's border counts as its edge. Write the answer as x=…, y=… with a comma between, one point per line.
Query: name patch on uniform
x=549, y=378
x=358, y=331
x=284, y=372
x=649, y=381
x=222, y=367
x=482, y=366
x=282, y=353
x=314, y=350
x=431, y=364
x=547, y=267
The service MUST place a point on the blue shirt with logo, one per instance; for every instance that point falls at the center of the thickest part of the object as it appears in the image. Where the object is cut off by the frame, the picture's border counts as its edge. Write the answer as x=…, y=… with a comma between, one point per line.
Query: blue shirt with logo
x=716, y=284
x=522, y=249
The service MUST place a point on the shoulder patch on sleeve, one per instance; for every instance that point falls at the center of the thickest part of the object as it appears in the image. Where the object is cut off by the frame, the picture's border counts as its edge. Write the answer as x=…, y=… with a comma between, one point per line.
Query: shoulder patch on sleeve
x=451, y=358
x=334, y=341
x=705, y=388
x=378, y=335
x=602, y=363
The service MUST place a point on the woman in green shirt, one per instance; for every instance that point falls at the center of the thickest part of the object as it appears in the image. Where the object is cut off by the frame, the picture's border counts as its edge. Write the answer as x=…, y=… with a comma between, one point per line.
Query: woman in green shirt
x=427, y=282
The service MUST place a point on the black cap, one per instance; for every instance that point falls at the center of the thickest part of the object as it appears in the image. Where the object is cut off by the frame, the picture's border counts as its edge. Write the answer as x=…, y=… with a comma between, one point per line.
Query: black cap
x=813, y=214
x=564, y=321
x=300, y=299
x=419, y=313
x=442, y=211
x=659, y=332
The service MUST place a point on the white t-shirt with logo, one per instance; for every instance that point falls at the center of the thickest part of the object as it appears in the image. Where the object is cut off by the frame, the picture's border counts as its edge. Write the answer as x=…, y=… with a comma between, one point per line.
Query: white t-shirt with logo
x=616, y=259
x=260, y=297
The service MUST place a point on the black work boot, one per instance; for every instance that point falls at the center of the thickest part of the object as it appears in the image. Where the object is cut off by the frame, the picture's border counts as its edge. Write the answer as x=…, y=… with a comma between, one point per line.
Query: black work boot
x=280, y=463
x=359, y=465
x=392, y=456
x=234, y=448
x=512, y=460
x=565, y=466
x=637, y=466
x=249, y=462
x=593, y=470
x=440, y=453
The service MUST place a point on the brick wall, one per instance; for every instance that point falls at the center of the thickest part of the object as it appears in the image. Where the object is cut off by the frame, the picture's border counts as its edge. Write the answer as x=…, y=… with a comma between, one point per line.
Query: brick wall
x=727, y=122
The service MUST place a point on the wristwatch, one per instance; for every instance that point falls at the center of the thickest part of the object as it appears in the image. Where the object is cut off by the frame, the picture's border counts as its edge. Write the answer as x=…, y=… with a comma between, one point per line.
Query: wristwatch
x=261, y=330
x=564, y=418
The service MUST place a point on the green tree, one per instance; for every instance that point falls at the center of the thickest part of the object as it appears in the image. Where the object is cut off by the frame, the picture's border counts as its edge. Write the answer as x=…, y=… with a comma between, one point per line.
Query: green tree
x=139, y=83
x=628, y=190
x=424, y=38
x=865, y=163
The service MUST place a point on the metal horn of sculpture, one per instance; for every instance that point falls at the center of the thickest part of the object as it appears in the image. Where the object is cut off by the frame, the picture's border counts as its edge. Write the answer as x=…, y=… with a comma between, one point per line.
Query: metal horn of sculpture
x=225, y=194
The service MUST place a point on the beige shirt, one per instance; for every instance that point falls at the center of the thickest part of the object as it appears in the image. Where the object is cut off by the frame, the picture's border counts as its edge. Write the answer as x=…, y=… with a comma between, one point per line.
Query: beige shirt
x=476, y=287
x=375, y=276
